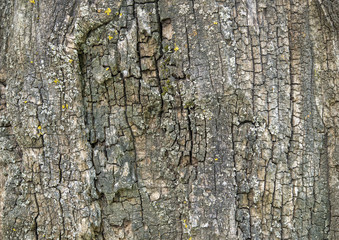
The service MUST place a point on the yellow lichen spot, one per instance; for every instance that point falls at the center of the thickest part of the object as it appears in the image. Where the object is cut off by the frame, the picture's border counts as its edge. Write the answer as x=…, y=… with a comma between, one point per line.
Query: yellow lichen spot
x=108, y=11
x=215, y=23
x=116, y=32
x=120, y=15
x=176, y=47
x=39, y=127
x=14, y=229
x=99, y=10
x=107, y=69
x=63, y=106
x=25, y=101
x=184, y=220
x=31, y=1
x=185, y=202
x=110, y=37
x=71, y=60
x=31, y=61
x=67, y=106
x=216, y=159
x=56, y=80
x=190, y=238
x=186, y=226
x=117, y=13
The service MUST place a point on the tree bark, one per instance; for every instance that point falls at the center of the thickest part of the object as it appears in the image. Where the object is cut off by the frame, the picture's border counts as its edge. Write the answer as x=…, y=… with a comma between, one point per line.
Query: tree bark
x=169, y=119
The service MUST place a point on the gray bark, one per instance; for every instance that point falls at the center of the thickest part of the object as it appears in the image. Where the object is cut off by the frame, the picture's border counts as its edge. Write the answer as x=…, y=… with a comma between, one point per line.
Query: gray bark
x=169, y=119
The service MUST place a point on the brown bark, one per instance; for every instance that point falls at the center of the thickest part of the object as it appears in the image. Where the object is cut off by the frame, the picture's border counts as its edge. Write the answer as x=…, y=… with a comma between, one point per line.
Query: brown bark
x=169, y=119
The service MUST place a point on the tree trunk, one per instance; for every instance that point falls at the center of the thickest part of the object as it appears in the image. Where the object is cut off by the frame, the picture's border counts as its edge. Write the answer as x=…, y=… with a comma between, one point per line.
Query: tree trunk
x=169, y=119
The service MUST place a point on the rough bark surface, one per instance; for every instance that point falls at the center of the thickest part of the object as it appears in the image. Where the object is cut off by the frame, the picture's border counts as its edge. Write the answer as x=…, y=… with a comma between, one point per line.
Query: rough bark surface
x=169, y=119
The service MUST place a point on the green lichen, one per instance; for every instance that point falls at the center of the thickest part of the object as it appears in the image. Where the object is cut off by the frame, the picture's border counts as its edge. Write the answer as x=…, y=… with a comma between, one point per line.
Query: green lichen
x=164, y=90
x=189, y=104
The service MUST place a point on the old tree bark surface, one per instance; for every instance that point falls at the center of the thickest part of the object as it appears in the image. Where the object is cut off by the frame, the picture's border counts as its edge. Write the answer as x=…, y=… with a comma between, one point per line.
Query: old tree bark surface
x=169, y=119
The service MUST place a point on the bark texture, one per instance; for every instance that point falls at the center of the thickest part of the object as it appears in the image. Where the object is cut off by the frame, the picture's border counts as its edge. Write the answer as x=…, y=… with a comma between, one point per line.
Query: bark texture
x=169, y=119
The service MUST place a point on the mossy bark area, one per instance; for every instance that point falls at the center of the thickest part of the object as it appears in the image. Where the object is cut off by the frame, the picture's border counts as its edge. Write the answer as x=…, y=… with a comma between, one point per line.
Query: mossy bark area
x=169, y=119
